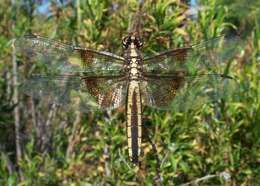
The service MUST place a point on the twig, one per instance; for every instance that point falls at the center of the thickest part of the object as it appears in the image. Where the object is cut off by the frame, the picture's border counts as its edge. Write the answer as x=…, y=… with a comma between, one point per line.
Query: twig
x=164, y=159
x=73, y=134
x=106, y=148
x=33, y=115
x=9, y=85
x=207, y=177
x=224, y=174
x=51, y=114
x=158, y=162
x=136, y=21
x=123, y=159
x=78, y=10
x=16, y=112
x=48, y=130
x=107, y=169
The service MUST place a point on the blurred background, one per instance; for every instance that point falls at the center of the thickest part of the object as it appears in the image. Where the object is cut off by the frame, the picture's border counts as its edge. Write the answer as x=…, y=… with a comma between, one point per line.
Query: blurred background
x=215, y=144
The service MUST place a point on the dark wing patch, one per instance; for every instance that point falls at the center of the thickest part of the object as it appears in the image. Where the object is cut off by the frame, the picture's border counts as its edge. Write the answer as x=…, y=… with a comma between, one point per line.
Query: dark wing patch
x=107, y=92
x=160, y=90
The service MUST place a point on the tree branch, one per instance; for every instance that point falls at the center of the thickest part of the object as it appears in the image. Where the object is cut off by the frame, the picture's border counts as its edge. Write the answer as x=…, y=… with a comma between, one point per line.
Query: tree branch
x=224, y=174
x=16, y=111
x=73, y=134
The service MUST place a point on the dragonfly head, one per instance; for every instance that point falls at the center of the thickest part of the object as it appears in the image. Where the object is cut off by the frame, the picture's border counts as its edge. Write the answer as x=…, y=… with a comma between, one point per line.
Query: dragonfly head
x=132, y=40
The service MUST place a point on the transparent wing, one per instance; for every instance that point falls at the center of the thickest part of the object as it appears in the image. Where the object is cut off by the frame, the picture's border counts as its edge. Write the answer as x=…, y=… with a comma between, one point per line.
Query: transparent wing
x=65, y=58
x=182, y=92
x=212, y=55
x=55, y=88
x=61, y=73
x=92, y=93
x=186, y=77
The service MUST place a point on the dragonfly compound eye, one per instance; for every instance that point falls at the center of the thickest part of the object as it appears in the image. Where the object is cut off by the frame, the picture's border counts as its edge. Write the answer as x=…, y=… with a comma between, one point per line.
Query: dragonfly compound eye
x=138, y=42
x=126, y=41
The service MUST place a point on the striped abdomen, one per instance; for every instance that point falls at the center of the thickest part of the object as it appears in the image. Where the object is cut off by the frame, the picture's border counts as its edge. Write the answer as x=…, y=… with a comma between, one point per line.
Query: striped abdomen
x=134, y=121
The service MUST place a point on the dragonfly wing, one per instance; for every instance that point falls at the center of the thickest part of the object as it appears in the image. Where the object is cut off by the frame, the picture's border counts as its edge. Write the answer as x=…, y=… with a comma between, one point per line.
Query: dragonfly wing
x=191, y=75
x=54, y=88
x=64, y=72
x=181, y=92
x=58, y=57
x=208, y=56
x=102, y=92
x=91, y=93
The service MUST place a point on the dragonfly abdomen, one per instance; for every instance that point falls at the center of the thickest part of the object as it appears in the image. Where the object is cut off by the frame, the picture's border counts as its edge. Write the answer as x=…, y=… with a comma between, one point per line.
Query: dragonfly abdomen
x=134, y=121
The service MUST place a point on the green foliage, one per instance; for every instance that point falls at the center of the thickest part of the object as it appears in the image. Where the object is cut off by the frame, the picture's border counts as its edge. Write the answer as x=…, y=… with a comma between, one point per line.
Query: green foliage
x=214, y=139
x=5, y=177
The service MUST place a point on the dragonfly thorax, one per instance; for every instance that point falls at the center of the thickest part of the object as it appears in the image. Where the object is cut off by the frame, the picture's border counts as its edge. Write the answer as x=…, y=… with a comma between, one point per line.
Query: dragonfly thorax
x=133, y=63
x=134, y=69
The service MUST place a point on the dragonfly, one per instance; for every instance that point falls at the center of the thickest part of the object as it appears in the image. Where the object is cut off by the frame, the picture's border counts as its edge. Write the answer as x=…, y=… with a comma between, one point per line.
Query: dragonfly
x=100, y=80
